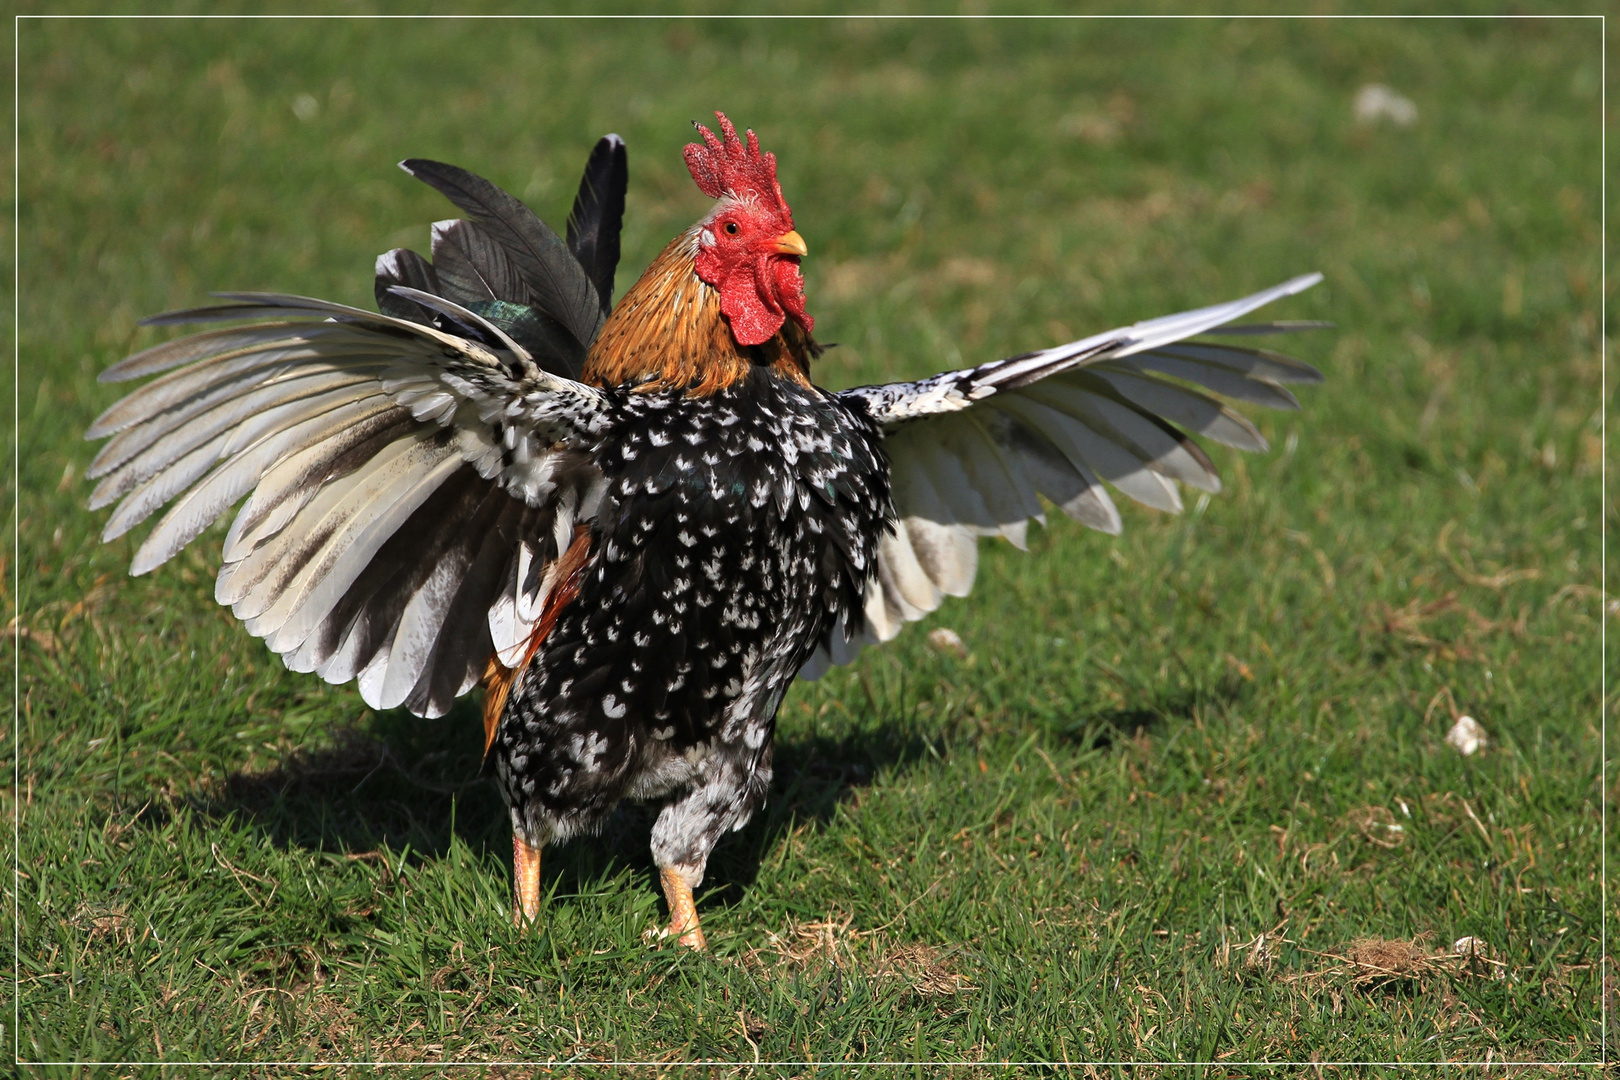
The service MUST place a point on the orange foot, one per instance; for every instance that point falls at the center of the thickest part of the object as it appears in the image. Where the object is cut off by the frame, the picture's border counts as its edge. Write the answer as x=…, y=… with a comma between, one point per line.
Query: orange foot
x=683, y=918
x=525, y=881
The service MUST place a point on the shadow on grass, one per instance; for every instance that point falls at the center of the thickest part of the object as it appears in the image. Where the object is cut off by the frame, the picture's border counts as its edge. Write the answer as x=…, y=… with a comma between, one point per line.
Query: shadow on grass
x=1157, y=714
x=395, y=781
x=398, y=781
x=402, y=782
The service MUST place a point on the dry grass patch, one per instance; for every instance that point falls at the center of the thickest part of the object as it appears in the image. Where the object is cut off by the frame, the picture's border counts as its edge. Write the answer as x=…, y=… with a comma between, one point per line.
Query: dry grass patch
x=103, y=921
x=1372, y=963
x=834, y=942
x=1377, y=825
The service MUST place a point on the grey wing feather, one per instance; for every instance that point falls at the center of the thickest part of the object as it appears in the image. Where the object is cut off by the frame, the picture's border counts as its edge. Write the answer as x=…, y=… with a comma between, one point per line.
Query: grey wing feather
x=474, y=271
x=470, y=319
x=211, y=343
x=969, y=450
x=403, y=485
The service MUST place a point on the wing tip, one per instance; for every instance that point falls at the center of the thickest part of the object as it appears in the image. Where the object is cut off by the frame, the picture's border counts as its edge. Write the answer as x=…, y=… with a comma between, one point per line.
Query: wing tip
x=146, y=561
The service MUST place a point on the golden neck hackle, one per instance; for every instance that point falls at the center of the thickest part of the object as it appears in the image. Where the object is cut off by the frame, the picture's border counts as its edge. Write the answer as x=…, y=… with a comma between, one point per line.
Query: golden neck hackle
x=669, y=326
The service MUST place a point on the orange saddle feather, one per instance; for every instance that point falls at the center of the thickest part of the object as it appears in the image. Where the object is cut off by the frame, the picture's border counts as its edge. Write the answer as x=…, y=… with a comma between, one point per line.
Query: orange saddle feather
x=498, y=678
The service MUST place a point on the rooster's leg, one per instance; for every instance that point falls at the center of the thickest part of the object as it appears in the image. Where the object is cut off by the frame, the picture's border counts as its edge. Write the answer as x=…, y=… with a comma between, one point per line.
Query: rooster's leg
x=525, y=880
x=686, y=830
x=683, y=917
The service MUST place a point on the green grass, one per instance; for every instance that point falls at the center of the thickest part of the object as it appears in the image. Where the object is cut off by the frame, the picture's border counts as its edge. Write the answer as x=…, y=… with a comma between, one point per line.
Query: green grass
x=1163, y=745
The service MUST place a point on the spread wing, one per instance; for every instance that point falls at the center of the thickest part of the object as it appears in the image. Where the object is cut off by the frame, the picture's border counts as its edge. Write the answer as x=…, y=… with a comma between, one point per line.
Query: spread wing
x=406, y=486
x=411, y=477
x=970, y=450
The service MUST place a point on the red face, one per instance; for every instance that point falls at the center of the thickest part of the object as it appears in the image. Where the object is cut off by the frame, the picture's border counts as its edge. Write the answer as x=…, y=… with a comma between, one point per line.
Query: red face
x=751, y=254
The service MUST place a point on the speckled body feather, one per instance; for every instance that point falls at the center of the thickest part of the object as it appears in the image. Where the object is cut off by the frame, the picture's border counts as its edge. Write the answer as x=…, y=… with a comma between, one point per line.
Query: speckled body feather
x=736, y=529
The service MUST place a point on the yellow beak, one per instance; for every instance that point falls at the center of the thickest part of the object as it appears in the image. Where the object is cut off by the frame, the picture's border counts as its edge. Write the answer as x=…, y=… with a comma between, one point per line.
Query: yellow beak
x=791, y=243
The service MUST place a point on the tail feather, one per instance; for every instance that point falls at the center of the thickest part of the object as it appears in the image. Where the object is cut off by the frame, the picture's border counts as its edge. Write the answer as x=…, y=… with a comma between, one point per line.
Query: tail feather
x=472, y=266
x=555, y=281
x=402, y=266
x=598, y=215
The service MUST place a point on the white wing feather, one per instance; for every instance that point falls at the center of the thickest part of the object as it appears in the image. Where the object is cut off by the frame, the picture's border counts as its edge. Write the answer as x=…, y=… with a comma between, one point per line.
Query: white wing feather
x=403, y=485
x=970, y=449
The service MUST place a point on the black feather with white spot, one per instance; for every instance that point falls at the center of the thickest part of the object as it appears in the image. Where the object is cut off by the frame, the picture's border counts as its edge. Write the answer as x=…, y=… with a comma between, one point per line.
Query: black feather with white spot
x=735, y=531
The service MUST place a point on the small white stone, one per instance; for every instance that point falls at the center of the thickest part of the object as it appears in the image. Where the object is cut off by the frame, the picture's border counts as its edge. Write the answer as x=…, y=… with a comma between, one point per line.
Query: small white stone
x=1466, y=736
x=1375, y=102
x=945, y=640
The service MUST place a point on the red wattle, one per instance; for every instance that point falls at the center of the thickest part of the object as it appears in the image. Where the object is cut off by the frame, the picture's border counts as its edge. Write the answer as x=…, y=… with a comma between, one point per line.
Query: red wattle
x=757, y=296
x=790, y=292
x=752, y=321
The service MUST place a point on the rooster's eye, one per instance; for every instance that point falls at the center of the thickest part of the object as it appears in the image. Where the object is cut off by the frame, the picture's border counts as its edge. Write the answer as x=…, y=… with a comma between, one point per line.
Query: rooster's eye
x=732, y=229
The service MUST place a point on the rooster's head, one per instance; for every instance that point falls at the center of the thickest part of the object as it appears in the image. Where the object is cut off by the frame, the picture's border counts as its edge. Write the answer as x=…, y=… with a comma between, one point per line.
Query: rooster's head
x=747, y=248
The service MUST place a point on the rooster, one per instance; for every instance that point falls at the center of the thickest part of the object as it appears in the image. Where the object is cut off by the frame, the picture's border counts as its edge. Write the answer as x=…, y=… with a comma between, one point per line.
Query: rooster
x=635, y=525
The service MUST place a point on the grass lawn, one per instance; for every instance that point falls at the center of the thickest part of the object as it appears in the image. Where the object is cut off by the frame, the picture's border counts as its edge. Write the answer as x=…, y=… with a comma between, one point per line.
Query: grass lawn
x=1187, y=795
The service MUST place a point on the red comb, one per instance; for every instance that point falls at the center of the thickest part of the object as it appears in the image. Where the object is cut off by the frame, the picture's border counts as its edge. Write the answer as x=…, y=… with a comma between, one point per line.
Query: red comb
x=729, y=168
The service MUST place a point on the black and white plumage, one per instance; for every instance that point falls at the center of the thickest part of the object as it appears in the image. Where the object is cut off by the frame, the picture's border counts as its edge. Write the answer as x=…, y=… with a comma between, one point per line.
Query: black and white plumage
x=637, y=532
x=734, y=531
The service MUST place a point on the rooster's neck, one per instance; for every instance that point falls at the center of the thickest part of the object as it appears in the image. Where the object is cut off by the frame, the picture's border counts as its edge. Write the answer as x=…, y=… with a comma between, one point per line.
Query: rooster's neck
x=668, y=333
